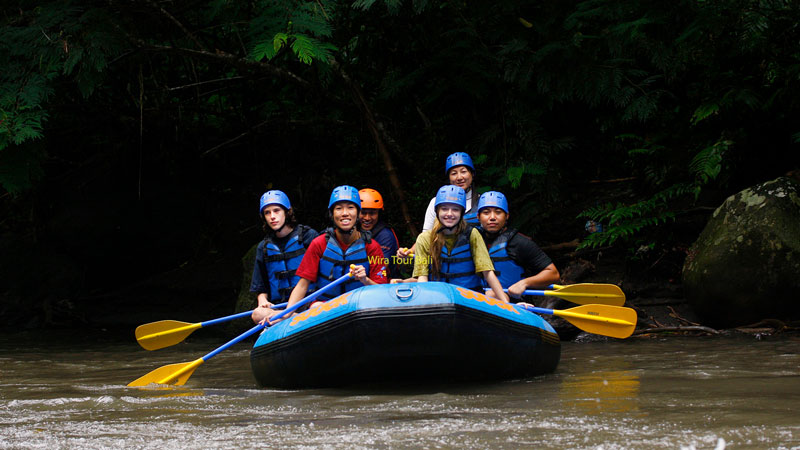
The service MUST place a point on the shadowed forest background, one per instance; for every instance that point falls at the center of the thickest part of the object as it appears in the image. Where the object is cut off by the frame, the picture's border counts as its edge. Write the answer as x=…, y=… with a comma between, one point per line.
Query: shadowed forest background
x=136, y=137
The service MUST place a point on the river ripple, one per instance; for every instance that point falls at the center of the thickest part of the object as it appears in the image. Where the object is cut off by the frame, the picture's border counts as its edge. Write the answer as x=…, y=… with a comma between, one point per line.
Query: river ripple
x=68, y=392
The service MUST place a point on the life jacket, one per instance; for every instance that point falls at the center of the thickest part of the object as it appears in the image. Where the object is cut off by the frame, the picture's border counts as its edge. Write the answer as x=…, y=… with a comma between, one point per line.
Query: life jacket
x=282, y=264
x=507, y=271
x=377, y=228
x=391, y=266
x=457, y=265
x=335, y=263
x=471, y=215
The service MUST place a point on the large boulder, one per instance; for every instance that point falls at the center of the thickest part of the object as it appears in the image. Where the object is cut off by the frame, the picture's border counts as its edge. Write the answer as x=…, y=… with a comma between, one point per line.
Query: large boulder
x=745, y=266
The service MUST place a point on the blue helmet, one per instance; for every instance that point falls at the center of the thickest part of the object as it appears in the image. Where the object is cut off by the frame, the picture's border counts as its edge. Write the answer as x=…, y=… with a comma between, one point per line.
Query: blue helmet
x=274, y=198
x=494, y=199
x=458, y=159
x=451, y=194
x=345, y=193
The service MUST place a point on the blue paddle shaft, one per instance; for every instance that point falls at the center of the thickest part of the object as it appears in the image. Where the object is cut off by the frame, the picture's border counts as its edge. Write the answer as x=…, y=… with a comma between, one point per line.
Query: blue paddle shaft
x=527, y=292
x=534, y=292
x=226, y=318
x=258, y=327
x=535, y=309
x=237, y=316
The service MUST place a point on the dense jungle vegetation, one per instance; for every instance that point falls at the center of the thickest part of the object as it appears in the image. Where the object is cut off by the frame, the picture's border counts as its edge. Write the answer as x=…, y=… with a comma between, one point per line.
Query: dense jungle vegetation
x=137, y=136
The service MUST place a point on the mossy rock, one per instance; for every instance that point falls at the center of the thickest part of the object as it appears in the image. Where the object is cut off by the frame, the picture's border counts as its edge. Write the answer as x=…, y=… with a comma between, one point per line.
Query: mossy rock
x=745, y=266
x=247, y=299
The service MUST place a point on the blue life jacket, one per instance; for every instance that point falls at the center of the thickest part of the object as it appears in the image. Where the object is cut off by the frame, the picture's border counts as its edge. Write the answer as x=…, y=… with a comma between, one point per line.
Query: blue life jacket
x=457, y=265
x=391, y=264
x=335, y=263
x=471, y=217
x=506, y=269
x=281, y=265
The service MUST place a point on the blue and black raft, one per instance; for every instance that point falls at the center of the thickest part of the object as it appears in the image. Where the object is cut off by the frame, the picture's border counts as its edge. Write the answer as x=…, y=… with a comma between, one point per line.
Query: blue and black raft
x=405, y=332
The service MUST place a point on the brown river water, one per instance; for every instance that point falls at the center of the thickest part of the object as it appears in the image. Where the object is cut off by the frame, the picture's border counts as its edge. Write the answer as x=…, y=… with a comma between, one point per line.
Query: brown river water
x=64, y=391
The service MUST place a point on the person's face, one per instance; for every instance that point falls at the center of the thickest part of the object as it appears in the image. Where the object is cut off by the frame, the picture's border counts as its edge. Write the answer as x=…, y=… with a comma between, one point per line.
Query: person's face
x=492, y=219
x=449, y=214
x=345, y=215
x=275, y=216
x=460, y=176
x=369, y=217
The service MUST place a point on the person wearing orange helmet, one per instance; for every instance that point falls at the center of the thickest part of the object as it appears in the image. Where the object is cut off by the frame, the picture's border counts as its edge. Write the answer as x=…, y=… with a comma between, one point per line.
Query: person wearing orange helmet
x=370, y=218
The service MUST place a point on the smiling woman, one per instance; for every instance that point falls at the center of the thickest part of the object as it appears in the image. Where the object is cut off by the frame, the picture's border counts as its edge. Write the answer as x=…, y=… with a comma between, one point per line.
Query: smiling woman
x=453, y=251
x=342, y=247
x=460, y=172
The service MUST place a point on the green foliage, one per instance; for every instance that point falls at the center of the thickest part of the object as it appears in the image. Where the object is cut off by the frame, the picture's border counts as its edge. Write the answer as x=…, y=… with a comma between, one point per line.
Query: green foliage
x=543, y=95
x=39, y=46
x=302, y=27
x=624, y=221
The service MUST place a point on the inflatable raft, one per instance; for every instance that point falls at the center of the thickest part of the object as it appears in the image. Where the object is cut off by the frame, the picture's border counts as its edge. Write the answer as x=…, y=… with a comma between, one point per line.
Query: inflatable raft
x=405, y=332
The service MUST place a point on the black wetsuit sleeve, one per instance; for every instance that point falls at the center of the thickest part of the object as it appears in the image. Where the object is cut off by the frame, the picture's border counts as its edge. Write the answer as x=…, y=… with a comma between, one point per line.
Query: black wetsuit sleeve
x=528, y=254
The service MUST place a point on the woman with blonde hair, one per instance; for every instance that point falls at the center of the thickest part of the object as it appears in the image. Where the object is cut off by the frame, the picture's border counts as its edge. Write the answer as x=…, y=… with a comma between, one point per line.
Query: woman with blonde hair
x=460, y=172
x=453, y=251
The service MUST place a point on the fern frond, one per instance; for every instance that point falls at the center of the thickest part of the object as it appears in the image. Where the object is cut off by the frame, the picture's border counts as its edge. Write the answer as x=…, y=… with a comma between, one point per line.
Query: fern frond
x=704, y=111
x=707, y=164
x=308, y=49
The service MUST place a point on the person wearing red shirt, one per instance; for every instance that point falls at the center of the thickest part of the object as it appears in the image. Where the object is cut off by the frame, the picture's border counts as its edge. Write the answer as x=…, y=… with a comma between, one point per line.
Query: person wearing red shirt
x=331, y=254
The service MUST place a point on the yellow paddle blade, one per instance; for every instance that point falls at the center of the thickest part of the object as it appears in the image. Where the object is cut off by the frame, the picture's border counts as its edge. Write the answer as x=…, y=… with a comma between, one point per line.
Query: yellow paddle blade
x=164, y=333
x=589, y=293
x=176, y=374
x=613, y=321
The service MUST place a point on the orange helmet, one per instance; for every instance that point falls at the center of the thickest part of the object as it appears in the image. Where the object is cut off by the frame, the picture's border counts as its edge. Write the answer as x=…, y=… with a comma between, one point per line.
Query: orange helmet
x=370, y=198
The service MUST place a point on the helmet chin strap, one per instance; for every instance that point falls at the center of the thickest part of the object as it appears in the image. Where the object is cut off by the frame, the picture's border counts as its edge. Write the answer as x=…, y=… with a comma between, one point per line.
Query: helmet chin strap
x=350, y=231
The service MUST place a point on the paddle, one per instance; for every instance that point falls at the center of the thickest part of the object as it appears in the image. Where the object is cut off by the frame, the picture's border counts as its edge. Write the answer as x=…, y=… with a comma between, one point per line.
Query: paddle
x=164, y=333
x=179, y=373
x=584, y=294
x=601, y=287
x=613, y=321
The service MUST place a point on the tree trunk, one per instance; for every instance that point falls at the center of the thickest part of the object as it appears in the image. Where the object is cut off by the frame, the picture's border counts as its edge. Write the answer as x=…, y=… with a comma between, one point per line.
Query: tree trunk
x=381, y=137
